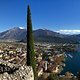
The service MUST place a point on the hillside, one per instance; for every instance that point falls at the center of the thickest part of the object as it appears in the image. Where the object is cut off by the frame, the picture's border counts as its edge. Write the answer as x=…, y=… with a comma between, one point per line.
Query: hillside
x=40, y=35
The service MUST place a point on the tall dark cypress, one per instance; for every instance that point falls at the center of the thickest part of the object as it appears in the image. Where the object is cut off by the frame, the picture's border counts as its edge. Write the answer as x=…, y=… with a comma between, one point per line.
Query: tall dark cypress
x=30, y=44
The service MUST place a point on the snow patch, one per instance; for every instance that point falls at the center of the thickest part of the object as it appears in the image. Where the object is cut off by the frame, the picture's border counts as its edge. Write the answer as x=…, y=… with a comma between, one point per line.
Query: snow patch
x=21, y=27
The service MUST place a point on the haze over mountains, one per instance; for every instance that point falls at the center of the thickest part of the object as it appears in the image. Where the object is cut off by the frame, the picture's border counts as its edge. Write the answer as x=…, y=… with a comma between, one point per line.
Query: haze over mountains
x=40, y=35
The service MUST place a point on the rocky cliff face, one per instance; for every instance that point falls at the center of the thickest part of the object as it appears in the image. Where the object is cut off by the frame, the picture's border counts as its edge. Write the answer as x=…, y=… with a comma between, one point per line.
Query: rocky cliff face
x=10, y=72
x=24, y=73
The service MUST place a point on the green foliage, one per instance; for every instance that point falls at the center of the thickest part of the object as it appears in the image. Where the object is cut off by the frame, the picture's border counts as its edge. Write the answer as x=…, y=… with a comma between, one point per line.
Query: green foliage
x=53, y=77
x=30, y=44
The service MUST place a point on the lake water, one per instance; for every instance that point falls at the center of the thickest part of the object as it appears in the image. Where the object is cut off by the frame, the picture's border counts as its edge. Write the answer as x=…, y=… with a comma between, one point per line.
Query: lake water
x=72, y=63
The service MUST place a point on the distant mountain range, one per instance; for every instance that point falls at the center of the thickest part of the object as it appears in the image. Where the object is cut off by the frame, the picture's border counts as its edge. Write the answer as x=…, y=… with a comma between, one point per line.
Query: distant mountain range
x=13, y=34
x=40, y=35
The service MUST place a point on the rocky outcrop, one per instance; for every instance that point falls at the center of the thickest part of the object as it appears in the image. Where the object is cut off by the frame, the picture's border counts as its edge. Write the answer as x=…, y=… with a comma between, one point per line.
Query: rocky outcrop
x=8, y=67
x=24, y=73
x=9, y=71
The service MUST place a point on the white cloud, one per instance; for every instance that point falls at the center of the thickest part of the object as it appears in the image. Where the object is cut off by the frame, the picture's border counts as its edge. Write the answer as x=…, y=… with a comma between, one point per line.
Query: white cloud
x=21, y=27
x=69, y=31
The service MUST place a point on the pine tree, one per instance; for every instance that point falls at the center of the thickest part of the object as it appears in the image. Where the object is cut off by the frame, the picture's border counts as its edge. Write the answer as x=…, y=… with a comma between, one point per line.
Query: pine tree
x=30, y=44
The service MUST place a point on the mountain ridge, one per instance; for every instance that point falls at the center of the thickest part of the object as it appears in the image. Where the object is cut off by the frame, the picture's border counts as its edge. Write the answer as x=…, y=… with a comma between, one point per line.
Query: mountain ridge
x=40, y=35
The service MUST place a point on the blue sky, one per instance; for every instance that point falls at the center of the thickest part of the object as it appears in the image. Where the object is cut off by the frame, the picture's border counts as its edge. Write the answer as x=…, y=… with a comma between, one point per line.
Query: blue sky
x=12, y=14
x=57, y=15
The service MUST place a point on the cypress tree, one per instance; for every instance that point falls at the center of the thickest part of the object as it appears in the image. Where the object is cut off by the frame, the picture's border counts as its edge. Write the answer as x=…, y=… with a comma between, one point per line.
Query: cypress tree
x=30, y=44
